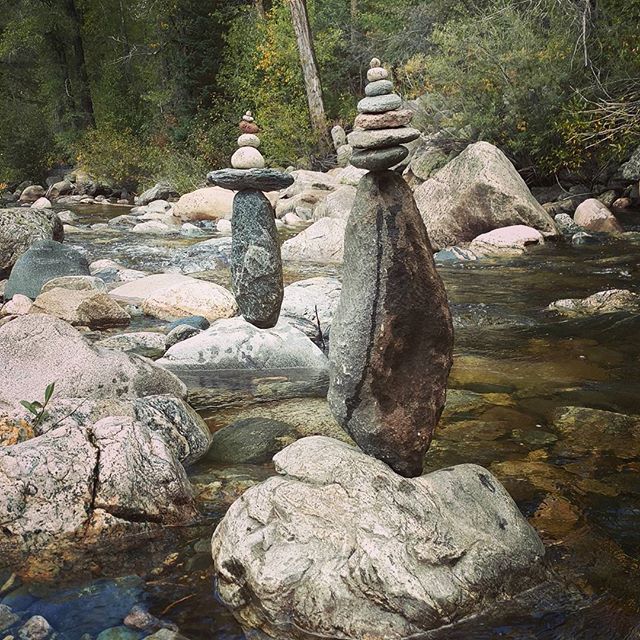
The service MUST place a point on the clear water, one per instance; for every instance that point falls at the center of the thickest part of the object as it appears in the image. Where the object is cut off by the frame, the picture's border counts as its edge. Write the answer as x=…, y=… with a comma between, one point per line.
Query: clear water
x=515, y=364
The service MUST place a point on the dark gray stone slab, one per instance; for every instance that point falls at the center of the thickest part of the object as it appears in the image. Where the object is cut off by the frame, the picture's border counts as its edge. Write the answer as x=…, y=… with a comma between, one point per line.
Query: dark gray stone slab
x=259, y=179
x=391, y=335
x=256, y=265
x=378, y=159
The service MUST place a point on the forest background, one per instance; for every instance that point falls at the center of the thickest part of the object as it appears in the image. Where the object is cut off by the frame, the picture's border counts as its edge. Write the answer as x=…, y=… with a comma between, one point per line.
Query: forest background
x=139, y=91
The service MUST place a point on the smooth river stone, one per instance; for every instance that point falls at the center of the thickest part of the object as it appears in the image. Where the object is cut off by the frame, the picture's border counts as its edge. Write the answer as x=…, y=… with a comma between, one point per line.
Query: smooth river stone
x=381, y=138
x=379, y=104
x=248, y=127
x=256, y=265
x=249, y=140
x=260, y=179
x=378, y=159
x=390, y=119
x=247, y=158
x=378, y=88
x=377, y=73
x=392, y=335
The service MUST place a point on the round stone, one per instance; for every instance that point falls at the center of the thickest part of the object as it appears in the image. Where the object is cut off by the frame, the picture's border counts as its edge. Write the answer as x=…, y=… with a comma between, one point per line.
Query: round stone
x=379, y=88
x=375, y=62
x=377, y=73
x=387, y=120
x=248, y=127
x=248, y=117
x=381, y=138
x=258, y=179
x=247, y=158
x=379, y=104
x=249, y=140
x=378, y=159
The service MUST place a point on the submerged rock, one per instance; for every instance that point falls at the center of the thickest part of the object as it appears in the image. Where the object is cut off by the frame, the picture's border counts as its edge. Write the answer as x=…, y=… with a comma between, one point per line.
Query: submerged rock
x=608, y=301
x=392, y=335
x=145, y=343
x=256, y=265
x=478, y=191
x=592, y=215
x=339, y=546
x=507, y=241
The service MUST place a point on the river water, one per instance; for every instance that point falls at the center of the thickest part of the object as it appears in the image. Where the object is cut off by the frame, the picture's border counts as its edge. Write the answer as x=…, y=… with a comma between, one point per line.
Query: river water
x=574, y=472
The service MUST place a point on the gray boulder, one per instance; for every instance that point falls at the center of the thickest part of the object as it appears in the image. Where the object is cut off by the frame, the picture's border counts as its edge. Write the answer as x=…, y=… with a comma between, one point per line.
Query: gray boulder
x=478, y=191
x=45, y=260
x=609, y=301
x=322, y=242
x=20, y=228
x=392, y=334
x=160, y=191
x=256, y=265
x=37, y=350
x=630, y=170
x=180, y=333
x=337, y=204
x=339, y=546
x=32, y=193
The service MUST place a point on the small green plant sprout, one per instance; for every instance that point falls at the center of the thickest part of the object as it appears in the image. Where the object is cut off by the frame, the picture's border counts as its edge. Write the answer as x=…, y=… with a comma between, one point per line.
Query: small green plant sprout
x=38, y=409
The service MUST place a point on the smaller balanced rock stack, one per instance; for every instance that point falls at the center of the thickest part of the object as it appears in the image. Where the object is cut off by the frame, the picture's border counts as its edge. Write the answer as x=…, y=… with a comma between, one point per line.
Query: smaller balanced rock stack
x=380, y=128
x=256, y=264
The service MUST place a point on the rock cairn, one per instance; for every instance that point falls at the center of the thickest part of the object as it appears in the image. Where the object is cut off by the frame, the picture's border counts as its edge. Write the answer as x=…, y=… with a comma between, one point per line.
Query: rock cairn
x=256, y=264
x=392, y=335
x=380, y=129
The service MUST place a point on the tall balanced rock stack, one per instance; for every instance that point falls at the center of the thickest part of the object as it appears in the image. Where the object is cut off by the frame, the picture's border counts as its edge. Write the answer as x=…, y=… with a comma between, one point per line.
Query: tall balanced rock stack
x=392, y=335
x=256, y=264
x=380, y=128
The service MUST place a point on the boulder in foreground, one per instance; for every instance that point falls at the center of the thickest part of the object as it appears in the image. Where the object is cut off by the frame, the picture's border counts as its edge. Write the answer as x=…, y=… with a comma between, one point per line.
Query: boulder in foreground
x=339, y=546
x=478, y=191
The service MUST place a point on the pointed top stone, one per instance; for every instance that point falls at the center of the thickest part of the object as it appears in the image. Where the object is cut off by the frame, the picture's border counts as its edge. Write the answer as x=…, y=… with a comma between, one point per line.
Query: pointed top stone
x=375, y=62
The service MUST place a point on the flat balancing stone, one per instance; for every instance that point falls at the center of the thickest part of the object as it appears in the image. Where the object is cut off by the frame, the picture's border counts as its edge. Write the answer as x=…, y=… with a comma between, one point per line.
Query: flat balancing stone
x=381, y=138
x=259, y=179
x=378, y=159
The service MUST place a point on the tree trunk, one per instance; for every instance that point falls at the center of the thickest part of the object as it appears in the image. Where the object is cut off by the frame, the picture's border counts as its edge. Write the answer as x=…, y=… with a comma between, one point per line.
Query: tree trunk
x=259, y=5
x=354, y=17
x=309, y=69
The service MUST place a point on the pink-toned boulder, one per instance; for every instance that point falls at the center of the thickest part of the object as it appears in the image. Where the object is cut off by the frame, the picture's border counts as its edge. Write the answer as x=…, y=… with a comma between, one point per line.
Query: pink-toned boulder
x=508, y=241
x=592, y=215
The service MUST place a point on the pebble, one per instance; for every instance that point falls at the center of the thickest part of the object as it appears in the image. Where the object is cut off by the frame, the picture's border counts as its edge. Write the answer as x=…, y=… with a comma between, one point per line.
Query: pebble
x=378, y=159
x=388, y=120
x=248, y=117
x=377, y=73
x=381, y=138
x=247, y=158
x=378, y=88
x=379, y=104
x=249, y=140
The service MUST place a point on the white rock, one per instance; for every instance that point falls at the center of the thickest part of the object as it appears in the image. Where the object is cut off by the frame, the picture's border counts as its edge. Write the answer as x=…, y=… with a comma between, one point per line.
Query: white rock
x=249, y=140
x=41, y=203
x=314, y=299
x=153, y=226
x=223, y=227
x=19, y=305
x=377, y=73
x=291, y=219
x=511, y=240
x=210, y=203
x=159, y=206
x=322, y=242
x=247, y=158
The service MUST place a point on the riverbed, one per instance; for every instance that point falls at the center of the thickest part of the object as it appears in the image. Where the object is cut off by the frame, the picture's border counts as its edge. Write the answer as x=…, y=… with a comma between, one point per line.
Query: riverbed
x=574, y=473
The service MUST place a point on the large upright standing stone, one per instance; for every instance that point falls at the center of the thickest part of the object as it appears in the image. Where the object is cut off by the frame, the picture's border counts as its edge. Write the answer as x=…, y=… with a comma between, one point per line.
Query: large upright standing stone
x=392, y=335
x=256, y=264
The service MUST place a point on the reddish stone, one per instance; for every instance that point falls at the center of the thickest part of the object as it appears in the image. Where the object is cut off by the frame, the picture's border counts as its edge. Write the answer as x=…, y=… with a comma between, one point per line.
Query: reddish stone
x=386, y=120
x=248, y=127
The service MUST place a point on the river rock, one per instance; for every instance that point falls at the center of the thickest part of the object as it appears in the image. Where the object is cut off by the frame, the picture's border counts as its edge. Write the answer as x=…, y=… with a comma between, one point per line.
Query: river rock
x=20, y=229
x=566, y=225
x=199, y=322
x=247, y=158
x=592, y=215
x=38, y=350
x=351, y=175
x=386, y=120
x=145, y=343
x=76, y=283
x=393, y=320
x=41, y=203
x=507, y=241
x=256, y=266
x=180, y=333
x=249, y=127
x=160, y=191
x=210, y=203
x=609, y=301
x=337, y=204
x=378, y=88
x=478, y=191
x=374, y=74
x=339, y=546
x=260, y=179
x=338, y=136
x=630, y=170
x=45, y=260
x=19, y=305
x=35, y=628
x=236, y=344
x=378, y=159
x=380, y=104
x=379, y=138
x=32, y=193
x=314, y=300
x=322, y=242
x=92, y=309
x=343, y=155
x=305, y=181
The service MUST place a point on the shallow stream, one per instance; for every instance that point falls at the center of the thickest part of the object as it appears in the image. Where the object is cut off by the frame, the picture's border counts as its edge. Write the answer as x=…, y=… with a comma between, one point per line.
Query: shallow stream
x=575, y=474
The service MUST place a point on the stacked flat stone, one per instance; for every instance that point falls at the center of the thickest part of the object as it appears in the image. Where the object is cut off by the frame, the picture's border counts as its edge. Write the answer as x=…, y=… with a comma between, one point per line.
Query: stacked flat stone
x=380, y=129
x=256, y=264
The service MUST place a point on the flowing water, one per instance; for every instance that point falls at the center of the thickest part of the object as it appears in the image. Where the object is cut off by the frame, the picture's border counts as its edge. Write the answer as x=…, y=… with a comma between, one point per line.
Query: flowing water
x=575, y=473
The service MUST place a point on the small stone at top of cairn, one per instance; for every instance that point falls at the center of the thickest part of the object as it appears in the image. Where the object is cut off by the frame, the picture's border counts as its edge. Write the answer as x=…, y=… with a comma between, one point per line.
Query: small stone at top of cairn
x=247, y=156
x=381, y=127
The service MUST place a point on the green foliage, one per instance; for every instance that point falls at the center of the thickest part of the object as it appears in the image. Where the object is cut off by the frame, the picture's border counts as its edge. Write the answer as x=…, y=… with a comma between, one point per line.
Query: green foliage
x=37, y=409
